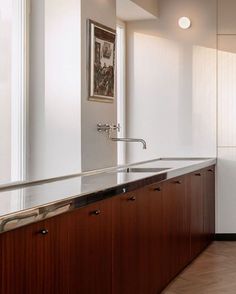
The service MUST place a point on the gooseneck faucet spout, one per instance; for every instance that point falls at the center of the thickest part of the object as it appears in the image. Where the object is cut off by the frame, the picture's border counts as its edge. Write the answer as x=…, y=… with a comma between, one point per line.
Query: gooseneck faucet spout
x=130, y=140
x=107, y=128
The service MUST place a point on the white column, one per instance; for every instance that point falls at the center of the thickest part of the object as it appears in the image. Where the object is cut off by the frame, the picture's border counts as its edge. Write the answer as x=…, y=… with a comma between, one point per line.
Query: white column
x=19, y=89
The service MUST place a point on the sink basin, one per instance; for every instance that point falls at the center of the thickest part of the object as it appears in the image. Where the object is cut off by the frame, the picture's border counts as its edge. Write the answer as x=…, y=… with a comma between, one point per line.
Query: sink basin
x=142, y=170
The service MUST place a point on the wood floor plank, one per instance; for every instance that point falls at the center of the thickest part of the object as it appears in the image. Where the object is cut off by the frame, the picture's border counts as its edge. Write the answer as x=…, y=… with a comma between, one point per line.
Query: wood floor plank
x=214, y=271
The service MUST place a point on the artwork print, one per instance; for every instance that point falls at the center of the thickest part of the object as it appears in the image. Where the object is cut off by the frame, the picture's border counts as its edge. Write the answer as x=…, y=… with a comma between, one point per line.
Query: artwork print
x=102, y=63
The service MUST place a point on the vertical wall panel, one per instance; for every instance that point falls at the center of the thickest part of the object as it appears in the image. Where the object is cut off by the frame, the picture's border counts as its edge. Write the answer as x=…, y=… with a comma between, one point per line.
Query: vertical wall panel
x=97, y=150
x=226, y=169
x=227, y=90
x=226, y=191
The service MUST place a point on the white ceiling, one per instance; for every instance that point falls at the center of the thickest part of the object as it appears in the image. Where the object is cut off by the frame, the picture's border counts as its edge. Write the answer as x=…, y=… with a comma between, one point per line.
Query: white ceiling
x=129, y=11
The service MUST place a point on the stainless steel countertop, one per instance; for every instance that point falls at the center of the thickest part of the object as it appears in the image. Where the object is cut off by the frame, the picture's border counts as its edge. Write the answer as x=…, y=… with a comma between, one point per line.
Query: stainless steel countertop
x=32, y=203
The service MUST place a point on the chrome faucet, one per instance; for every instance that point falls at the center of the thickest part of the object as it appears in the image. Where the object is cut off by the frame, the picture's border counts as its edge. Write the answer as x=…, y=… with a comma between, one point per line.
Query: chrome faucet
x=109, y=128
x=130, y=140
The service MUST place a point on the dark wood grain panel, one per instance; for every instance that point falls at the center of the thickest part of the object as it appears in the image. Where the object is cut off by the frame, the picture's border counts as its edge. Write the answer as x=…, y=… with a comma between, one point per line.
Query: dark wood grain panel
x=209, y=205
x=90, y=243
x=75, y=256
x=176, y=227
x=137, y=241
x=35, y=263
x=196, y=192
x=132, y=243
x=125, y=244
x=156, y=245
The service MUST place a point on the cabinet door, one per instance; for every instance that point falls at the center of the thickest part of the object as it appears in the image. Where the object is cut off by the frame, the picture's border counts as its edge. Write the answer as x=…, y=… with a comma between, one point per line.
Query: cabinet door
x=130, y=243
x=196, y=192
x=176, y=227
x=34, y=258
x=67, y=254
x=209, y=204
x=90, y=245
x=155, y=231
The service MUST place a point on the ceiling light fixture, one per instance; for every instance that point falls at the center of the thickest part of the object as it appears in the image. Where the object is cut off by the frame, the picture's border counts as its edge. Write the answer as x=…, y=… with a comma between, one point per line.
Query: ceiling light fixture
x=184, y=23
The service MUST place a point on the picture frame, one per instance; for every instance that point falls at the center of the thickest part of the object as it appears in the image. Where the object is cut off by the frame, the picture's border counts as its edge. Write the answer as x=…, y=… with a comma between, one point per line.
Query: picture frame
x=102, y=63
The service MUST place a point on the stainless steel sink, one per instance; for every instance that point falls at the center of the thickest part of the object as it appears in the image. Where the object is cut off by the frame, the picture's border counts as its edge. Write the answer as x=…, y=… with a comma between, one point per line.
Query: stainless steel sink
x=142, y=170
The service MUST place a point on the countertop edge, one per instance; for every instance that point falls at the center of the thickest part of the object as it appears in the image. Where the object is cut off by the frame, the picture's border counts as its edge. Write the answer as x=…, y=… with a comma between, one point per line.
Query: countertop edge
x=36, y=214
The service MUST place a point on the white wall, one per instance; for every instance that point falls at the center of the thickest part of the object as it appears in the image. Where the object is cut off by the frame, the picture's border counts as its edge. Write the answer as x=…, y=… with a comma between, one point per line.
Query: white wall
x=5, y=90
x=55, y=93
x=172, y=82
x=97, y=150
x=226, y=190
x=54, y=100
x=128, y=10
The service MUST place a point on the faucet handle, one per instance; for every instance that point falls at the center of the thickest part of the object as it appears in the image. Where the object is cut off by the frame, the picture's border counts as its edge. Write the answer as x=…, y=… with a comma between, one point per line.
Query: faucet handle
x=103, y=127
x=107, y=128
x=115, y=127
x=118, y=127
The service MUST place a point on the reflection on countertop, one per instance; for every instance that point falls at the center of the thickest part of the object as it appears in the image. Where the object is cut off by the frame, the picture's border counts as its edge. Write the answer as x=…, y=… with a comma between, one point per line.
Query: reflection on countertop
x=45, y=200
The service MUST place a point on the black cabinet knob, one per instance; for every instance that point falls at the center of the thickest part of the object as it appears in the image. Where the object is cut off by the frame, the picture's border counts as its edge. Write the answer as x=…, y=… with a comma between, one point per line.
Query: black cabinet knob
x=133, y=198
x=178, y=182
x=97, y=212
x=158, y=189
x=44, y=232
x=198, y=174
x=211, y=170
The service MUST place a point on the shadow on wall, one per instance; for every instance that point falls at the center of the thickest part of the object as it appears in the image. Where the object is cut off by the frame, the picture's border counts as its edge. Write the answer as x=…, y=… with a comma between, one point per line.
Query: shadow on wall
x=172, y=82
x=173, y=87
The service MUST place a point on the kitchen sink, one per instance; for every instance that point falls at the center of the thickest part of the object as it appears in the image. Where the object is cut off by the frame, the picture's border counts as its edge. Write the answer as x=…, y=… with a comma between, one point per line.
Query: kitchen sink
x=142, y=170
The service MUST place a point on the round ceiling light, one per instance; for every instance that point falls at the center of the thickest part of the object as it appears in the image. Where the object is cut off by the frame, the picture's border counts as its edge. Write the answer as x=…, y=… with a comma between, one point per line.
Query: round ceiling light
x=184, y=23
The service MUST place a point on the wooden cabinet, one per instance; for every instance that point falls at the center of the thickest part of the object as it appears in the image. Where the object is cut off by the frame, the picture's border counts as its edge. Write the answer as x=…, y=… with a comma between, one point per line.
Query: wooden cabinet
x=196, y=193
x=132, y=243
x=209, y=204
x=33, y=258
x=90, y=249
x=70, y=253
x=137, y=246
x=202, y=193
x=126, y=242
x=176, y=227
x=156, y=238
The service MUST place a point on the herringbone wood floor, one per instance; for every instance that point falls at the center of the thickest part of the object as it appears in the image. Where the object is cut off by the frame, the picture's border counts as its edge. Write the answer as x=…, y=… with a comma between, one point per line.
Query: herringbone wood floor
x=213, y=272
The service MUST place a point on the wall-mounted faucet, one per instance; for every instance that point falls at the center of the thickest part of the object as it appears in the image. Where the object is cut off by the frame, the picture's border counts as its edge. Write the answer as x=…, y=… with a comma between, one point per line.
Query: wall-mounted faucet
x=109, y=128
x=130, y=140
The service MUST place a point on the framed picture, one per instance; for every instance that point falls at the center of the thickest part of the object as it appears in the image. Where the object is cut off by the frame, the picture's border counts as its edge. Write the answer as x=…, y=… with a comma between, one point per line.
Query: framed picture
x=102, y=51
